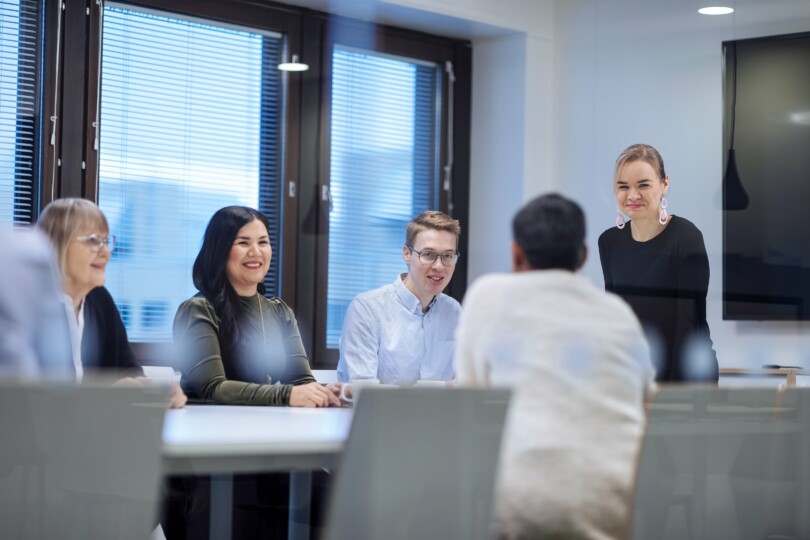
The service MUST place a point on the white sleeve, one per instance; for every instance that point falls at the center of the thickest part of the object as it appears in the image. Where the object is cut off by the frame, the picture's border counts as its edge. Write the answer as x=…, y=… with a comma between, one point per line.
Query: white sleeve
x=359, y=343
x=469, y=361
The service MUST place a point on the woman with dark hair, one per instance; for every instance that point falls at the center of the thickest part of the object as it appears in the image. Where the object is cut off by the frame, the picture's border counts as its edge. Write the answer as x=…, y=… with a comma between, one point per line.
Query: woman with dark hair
x=659, y=266
x=235, y=343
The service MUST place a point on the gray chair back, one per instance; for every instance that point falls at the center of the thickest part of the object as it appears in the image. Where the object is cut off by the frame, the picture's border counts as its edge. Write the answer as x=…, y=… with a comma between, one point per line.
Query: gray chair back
x=418, y=463
x=79, y=461
x=724, y=463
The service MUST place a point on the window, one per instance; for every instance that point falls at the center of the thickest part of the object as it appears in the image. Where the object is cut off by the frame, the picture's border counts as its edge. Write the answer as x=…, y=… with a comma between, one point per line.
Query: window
x=391, y=104
x=19, y=84
x=384, y=168
x=192, y=119
x=194, y=115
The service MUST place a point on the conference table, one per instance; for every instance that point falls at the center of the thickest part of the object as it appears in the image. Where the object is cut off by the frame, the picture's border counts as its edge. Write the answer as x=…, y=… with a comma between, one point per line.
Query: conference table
x=222, y=440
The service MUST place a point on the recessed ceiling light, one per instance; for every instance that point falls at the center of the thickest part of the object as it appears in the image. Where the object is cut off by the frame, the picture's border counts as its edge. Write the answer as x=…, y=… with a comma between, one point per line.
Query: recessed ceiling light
x=717, y=10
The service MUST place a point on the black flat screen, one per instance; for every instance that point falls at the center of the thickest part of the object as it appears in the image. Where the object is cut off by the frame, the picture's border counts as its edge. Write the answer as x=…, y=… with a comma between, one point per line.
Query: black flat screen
x=766, y=217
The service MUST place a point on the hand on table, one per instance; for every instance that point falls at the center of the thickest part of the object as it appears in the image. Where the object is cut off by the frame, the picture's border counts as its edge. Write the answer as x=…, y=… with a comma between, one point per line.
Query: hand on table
x=177, y=398
x=313, y=395
x=343, y=391
x=334, y=388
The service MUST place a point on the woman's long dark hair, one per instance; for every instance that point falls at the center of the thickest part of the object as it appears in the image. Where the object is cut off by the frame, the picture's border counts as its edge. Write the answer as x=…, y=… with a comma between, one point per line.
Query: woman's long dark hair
x=209, y=273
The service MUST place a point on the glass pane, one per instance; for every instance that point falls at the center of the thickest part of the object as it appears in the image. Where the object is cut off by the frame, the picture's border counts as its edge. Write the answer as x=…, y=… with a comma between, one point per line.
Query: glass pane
x=383, y=169
x=191, y=121
x=19, y=22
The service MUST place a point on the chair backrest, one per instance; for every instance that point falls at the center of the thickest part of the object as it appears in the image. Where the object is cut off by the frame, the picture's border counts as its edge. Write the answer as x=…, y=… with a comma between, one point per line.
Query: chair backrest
x=418, y=463
x=79, y=461
x=724, y=463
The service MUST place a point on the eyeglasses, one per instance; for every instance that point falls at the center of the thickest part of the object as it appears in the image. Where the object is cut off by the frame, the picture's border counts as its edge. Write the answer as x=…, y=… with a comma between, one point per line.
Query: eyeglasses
x=95, y=242
x=429, y=257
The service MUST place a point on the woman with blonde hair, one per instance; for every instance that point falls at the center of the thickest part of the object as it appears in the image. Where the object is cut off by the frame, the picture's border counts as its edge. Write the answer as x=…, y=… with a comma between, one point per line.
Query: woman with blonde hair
x=658, y=264
x=81, y=237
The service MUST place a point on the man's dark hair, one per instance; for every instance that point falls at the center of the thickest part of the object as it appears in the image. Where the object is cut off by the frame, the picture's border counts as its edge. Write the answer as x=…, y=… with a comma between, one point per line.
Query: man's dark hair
x=550, y=230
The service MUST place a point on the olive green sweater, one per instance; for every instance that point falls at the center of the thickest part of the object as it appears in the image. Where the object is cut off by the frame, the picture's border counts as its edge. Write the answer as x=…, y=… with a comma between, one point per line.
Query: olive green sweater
x=260, y=371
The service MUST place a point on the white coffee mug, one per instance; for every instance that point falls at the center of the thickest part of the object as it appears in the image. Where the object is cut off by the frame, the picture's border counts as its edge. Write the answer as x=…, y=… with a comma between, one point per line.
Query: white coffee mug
x=350, y=391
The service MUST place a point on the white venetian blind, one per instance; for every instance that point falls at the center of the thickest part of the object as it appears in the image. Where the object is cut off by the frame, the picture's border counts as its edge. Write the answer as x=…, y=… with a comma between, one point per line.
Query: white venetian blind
x=19, y=25
x=191, y=121
x=384, y=168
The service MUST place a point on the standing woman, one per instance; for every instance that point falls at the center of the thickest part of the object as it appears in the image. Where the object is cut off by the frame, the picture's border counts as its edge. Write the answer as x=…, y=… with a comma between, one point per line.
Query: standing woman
x=235, y=343
x=657, y=262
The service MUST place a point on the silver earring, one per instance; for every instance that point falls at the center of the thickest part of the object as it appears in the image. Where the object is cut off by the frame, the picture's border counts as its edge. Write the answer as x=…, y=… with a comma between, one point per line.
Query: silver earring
x=619, y=219
x=662, y=214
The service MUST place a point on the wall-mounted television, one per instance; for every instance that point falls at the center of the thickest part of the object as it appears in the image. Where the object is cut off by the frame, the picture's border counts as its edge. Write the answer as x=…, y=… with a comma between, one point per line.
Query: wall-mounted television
x=766, y=199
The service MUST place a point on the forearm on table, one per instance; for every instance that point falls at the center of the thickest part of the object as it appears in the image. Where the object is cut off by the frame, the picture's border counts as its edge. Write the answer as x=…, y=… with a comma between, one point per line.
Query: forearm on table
x=208, y=380
x=242, y=393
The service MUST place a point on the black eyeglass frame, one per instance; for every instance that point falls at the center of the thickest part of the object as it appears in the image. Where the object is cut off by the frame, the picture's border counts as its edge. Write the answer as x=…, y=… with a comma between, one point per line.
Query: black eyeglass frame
x=445, y=257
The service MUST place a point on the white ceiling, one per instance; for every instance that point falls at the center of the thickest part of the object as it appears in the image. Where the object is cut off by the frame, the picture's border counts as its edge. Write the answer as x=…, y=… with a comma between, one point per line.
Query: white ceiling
x=392, y=13
x=680, y=16
x=644, y=16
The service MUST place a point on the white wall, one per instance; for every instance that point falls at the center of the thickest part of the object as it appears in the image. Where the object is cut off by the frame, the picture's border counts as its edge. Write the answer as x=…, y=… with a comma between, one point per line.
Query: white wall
x=496, y=150
x=511, y=141
x=560, y=87
x=623, y=76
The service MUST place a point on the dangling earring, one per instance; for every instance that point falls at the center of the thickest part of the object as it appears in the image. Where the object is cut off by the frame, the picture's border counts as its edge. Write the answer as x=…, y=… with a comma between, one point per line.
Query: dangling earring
x=619, y=219
x=662, y=214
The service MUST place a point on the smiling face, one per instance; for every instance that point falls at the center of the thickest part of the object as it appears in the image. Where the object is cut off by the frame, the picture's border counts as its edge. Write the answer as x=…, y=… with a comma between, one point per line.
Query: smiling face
x=639, y=190
x=249, y=258
x=84, y=268
x=428, y=280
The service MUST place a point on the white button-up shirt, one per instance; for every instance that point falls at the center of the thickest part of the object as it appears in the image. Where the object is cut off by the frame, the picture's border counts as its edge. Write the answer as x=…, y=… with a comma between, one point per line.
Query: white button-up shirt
x=387, y=337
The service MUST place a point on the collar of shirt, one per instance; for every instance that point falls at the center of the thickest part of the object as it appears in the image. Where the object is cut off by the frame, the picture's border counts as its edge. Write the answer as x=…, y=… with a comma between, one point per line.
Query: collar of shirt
x=408, y=299
x=76, y=329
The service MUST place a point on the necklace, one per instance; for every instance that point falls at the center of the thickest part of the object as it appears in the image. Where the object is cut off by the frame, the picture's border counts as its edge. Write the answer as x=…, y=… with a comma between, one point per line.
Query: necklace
x=264, y=335
x=261, y=316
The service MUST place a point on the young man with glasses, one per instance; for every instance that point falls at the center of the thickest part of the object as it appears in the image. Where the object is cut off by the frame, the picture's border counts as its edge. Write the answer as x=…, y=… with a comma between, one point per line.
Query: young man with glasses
x=405, y=332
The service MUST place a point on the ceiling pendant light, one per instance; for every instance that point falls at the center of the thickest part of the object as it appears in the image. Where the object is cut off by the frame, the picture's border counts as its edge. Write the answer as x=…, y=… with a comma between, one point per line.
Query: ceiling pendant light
x=293, y=65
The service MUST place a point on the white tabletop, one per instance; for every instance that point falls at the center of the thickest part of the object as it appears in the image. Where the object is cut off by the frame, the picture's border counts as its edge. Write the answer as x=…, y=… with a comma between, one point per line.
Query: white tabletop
x=211, y=439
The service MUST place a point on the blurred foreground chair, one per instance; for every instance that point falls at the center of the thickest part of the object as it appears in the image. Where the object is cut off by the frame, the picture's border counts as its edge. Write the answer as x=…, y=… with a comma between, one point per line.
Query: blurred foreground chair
x=79, y=462
x=418, y=463
x=724, y=463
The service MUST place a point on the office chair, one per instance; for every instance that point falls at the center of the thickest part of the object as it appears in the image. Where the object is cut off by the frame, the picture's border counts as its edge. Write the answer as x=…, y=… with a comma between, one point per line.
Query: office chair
x=418, y=463
x=79, y=461
x=724, y=463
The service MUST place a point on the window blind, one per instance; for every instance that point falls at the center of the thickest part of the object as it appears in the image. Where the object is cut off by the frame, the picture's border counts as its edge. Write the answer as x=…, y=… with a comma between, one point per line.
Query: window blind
x=191, y=121
x=19, y=52
x=384, y=168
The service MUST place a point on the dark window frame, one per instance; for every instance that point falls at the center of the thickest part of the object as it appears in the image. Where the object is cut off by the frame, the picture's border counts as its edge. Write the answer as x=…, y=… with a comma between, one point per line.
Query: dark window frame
x=330, y=31
x=304, y=229
x=32, y=129
x=241, y=13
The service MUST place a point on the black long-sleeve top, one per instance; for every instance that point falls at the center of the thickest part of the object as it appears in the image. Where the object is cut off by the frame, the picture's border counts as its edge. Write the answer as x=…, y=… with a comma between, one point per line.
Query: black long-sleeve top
x=262, y=371
x=665, y=280
x=105, y=346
